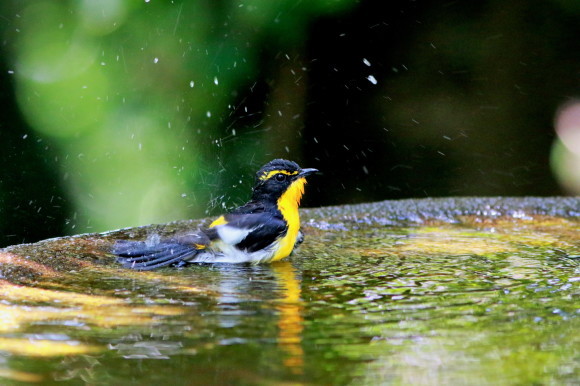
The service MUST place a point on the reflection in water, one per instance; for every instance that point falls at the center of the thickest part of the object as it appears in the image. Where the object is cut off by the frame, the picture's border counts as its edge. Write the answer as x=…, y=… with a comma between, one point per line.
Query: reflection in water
x=291, y=322
x=274, y=288
x=20, y=376
x=237, y=285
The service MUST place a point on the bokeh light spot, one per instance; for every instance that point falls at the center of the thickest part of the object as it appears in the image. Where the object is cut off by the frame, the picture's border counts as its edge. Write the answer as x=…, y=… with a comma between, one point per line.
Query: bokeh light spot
x=565, y=157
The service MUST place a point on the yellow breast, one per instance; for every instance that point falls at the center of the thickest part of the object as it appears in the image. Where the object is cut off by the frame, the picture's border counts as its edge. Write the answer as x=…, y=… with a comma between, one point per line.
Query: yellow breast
x=288, y=205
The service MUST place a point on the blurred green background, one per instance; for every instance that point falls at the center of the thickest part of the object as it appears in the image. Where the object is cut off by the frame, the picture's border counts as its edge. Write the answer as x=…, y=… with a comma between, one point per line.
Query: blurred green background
x=120, y=113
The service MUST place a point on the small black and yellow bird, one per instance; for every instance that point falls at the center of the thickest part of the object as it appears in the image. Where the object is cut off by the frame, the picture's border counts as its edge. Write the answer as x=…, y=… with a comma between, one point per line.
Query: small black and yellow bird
x=263, y=230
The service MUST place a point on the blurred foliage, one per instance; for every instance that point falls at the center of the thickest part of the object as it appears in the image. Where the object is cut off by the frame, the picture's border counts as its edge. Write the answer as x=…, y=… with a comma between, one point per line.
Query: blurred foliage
x=134, y=112
x=132, y=95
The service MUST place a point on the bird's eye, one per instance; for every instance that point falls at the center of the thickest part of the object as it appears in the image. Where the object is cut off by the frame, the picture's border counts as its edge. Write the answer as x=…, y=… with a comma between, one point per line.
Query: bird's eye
x=280, y=177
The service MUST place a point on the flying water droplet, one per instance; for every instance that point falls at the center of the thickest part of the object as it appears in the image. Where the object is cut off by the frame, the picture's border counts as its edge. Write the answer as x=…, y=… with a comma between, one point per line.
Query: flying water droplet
x=372, y=79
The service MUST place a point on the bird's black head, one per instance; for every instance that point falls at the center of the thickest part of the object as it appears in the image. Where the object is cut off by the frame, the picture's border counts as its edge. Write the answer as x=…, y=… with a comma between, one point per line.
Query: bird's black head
x=277, y=177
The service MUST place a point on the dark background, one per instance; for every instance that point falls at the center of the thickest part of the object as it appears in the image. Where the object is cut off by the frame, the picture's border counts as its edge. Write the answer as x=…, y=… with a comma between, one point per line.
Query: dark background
x=464, y=102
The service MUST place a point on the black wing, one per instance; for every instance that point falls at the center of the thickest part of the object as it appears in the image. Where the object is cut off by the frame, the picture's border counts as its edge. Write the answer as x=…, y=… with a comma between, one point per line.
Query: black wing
x=249, y=232
x=271, y=228
x=143, y=256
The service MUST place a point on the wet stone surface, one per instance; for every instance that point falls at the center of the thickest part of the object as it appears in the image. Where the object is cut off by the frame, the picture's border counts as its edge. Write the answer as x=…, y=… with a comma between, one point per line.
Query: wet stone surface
x=435, y=291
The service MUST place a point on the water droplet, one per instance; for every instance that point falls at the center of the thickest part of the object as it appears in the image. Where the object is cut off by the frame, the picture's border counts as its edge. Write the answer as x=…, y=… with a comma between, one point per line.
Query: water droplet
x=372, y=79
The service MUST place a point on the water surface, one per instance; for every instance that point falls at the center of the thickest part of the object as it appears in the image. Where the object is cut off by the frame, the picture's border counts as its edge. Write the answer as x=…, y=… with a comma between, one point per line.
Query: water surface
x=481, y=302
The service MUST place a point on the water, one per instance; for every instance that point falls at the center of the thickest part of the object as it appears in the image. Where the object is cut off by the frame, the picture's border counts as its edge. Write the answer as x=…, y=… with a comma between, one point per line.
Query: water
x=492, y=302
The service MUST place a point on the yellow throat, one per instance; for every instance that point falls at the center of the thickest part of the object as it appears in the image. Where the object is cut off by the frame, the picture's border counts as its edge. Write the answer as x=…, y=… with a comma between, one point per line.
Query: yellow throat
x=288, y=205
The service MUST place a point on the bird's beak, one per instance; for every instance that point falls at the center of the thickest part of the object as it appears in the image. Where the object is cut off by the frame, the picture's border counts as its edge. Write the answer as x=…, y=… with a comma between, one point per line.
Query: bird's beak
x=307, y=172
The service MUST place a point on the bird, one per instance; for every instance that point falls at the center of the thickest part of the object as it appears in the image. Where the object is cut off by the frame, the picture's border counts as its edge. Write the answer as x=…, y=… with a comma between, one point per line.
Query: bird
x=265, y=229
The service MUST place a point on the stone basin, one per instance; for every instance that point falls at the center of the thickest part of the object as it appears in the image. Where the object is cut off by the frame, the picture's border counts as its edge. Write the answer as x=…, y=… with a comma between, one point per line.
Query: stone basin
x=429, y=291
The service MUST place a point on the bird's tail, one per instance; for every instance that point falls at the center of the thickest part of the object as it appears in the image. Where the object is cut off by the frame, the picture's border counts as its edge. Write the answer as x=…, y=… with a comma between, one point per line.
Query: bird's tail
x=143, y=256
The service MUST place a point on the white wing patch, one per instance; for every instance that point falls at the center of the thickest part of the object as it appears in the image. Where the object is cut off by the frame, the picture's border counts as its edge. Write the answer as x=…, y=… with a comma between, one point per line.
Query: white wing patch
x=232, y=235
